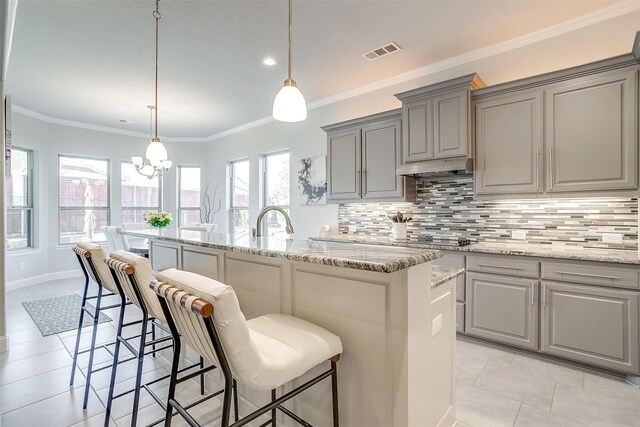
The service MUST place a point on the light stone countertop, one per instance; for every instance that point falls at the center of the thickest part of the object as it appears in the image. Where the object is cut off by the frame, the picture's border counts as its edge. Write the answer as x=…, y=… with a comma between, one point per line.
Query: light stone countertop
x=441, y=274
x=522, y=249
x=357, y=256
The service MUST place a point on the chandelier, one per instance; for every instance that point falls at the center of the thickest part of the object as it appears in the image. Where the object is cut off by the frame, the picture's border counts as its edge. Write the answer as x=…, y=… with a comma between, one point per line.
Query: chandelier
x=156, y=154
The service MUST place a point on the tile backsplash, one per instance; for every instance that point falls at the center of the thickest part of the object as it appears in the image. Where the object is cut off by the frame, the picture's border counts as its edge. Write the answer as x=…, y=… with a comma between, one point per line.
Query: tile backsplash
x=446, y=210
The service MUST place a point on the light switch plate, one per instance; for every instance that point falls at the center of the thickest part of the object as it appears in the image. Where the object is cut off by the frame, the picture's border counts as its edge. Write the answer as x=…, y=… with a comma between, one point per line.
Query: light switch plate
x=612, y=238
x=519, y=234
x=436, y=325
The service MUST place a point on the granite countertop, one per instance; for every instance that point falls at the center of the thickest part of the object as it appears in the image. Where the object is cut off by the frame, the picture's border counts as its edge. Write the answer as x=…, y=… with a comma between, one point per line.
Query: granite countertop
x=356, y=256
x=441, y=274
x=523, y=249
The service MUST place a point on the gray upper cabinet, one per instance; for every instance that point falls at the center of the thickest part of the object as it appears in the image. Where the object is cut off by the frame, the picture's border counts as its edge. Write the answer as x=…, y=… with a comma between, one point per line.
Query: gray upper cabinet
x=568, y=133
x=591, y=133
x=343, y=152
x=509, y=144
x=363, y=155
x=436, y=122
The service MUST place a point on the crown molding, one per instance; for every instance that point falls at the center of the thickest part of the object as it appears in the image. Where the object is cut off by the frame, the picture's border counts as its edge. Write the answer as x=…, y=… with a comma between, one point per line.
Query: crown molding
x=605, y=14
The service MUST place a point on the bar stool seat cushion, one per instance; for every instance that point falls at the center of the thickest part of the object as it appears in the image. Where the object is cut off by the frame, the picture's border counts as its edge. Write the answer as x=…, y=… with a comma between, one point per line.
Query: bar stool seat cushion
x=143, y=273
x=265, y=352
x=97, y=256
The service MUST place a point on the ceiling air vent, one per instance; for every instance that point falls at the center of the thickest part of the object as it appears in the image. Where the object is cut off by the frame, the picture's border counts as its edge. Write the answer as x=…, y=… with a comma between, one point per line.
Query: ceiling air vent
x=381, y=51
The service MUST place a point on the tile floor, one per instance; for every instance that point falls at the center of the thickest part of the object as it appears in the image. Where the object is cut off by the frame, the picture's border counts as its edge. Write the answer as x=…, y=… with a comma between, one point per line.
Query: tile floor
x=495, y=387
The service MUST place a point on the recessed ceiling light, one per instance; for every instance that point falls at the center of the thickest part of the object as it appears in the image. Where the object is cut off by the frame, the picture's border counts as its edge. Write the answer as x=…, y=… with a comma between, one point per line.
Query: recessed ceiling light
x=269, y=61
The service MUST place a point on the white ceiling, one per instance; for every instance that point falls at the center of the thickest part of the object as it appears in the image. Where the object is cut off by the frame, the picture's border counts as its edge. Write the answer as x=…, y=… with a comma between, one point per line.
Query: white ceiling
x=91, y=61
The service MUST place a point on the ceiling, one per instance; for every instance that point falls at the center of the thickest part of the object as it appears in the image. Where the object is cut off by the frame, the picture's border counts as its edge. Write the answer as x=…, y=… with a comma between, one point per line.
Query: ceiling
x=91, y=61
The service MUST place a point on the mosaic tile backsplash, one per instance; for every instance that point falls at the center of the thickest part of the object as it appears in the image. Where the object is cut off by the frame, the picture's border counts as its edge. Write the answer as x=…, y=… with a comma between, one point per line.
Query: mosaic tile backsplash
x=445, y=210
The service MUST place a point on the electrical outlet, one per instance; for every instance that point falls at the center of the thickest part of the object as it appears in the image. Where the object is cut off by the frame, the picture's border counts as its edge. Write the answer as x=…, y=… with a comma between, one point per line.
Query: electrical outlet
x=22, y=266
x=436, y=325
x=519, y=234
x=612, y=238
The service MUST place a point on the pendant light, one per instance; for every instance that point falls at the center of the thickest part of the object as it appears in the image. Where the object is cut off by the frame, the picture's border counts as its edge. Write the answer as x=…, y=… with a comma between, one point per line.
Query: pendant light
x=289, y=105
x=156, y=154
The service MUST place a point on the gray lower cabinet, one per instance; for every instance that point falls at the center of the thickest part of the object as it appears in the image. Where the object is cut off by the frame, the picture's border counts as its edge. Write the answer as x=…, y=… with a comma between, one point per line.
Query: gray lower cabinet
x=509, y=144
x=591, y=131
x=502, y=308
x=591, y=324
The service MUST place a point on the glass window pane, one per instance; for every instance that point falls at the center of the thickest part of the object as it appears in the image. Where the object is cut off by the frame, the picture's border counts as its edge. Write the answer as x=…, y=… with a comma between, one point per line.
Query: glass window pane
x=133, y=215
x=277, y=179
x=82, y=225
x=17, y=187
x=240, y=184
x=18, y=228
x=189, y=187
x=240, y=222
x=137, y=190
x=83, y=182
x=189, y=216
x=275, y=223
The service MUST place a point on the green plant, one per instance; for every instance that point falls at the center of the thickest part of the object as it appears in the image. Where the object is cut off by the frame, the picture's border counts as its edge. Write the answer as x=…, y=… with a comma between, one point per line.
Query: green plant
x=158, y=219
x=398, y=217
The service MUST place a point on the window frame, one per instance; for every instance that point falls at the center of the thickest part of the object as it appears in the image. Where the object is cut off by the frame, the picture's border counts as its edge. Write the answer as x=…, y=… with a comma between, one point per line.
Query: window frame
x=265, y=183
x=70, y=208
x=232, y=208
x=146, y=208
x=179, y=188
x=29, y=207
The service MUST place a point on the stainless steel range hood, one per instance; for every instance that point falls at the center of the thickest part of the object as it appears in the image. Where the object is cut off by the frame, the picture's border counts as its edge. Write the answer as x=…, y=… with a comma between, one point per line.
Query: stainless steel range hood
x=436, y=166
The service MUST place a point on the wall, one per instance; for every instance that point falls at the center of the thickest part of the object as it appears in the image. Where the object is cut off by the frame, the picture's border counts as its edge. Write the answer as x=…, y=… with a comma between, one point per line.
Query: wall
x=446, y=210
x=599, y=41
x=47, y=140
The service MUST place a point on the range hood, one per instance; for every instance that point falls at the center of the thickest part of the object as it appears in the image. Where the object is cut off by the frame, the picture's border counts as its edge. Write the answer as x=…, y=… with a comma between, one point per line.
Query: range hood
x=436, y=166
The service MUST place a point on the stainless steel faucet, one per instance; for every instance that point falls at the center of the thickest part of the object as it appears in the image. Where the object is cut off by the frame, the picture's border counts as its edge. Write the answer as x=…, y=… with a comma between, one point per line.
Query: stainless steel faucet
x=258, y=230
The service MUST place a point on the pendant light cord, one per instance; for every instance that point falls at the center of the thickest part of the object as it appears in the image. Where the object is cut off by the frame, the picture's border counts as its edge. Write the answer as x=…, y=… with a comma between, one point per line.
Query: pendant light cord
x=290, y=26
x=157, y=16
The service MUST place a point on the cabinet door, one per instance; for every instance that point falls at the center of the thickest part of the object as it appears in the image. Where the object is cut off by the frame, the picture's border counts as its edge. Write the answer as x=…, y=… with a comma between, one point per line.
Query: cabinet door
x=509, y=144
x=591, y=133
x=380, y=157
x=417, y=139
x=343, y=166
x=502, y=308
x=591, y=324
x=450, y=125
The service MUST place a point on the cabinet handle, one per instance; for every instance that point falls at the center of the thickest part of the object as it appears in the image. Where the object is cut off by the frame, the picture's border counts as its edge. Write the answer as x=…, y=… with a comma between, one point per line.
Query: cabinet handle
x=364, y=180
x=551, y=168
x=597, y=276
x=533, y=289
x=499, y=266
x=537, y=169
x=544, y=297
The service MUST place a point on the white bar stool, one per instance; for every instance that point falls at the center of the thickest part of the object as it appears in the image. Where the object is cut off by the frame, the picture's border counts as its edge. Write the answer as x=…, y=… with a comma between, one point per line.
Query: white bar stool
x=262, y=353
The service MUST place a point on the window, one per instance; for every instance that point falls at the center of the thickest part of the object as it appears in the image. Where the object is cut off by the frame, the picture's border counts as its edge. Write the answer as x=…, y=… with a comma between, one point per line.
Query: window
x=239, y=197
x=276, y=191
x=83, y=199
x=19, y=191
x=138, y=194
x=189, y=195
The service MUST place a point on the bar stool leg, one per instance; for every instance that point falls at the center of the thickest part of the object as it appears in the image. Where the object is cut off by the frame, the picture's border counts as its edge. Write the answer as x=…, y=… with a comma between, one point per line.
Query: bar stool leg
x=96, y=317
x=202, y=376
x=114, y=367
x=273, y=411
x=136, y=391
x=226, y=402
x=334, y=393
x=173, y=380
x=77, y=347
x=235, y=400
x=153, y=337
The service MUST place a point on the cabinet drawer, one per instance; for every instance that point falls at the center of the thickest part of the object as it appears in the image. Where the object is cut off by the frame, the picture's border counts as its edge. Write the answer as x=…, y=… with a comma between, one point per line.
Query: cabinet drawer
x=511, y=266
x=459, y=317
x=592, y=274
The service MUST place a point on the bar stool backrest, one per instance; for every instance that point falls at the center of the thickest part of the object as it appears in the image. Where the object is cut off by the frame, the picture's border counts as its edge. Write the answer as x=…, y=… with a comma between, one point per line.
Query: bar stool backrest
x=180, y=289
x=99, y=273
x=134, y=274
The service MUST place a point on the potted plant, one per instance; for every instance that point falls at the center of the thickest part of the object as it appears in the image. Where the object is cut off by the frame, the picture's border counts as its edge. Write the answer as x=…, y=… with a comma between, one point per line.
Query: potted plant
x=399, y=225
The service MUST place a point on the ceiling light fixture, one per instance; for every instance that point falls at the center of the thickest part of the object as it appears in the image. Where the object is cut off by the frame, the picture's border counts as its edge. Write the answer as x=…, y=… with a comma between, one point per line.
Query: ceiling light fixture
x=156, y=154
x=289, y=105
x=269, y=61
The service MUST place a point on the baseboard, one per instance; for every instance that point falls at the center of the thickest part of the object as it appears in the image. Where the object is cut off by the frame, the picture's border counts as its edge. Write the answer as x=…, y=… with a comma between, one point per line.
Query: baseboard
x=34, y=280
x=4, y=344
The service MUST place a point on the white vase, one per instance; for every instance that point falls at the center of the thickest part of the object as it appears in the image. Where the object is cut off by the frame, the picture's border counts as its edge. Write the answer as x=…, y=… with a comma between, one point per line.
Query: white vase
x=399, y=230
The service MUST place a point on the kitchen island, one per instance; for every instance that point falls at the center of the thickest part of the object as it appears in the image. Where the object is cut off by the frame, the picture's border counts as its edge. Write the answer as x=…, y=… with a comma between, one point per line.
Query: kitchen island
x=397, y=325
